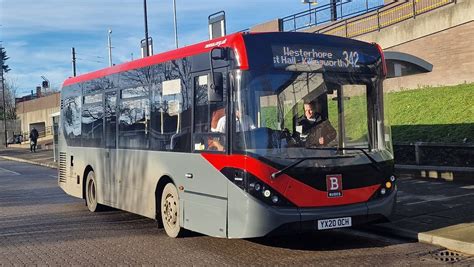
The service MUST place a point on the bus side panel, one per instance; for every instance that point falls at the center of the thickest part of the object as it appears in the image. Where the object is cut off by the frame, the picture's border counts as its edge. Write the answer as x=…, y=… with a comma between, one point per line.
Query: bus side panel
x=203, y=198
x=81, y=157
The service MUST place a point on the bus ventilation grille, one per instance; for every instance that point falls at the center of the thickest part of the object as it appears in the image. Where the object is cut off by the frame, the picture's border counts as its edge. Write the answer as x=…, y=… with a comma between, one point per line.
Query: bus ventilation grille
x=62, y=167
x=62, y=104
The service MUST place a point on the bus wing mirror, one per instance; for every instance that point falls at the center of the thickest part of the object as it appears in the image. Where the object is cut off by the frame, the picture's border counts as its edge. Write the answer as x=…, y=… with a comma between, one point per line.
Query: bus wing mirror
x=216, y=87
x=220, y=53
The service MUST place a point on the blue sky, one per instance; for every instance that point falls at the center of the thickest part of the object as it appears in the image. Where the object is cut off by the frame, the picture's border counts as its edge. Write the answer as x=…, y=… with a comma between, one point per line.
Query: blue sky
x=38, y=34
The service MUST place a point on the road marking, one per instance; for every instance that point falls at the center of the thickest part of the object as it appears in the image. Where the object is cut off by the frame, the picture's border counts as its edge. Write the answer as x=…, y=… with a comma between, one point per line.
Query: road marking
x=468, y=187
x=437, y=199
x=5, y=170
x=54, y=176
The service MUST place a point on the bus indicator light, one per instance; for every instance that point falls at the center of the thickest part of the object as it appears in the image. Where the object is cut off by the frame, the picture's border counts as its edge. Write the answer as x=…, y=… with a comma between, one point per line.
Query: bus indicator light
x=275, y=199
x=388, y=185
x=257, y=187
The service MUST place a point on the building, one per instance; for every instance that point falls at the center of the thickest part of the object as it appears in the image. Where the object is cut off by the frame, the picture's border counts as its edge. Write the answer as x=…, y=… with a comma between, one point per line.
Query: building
x=38, y=113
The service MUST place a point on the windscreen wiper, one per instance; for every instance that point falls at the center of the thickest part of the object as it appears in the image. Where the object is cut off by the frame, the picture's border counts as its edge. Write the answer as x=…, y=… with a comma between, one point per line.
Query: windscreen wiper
x=280, y=172
x=373, y=162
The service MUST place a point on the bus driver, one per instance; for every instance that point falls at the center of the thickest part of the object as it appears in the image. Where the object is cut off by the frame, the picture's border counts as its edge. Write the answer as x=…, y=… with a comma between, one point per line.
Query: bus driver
x=315, y=126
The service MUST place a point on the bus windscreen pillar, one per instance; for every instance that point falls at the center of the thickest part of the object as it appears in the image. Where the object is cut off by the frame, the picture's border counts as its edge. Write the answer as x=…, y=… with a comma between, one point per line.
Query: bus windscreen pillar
x=217, y=25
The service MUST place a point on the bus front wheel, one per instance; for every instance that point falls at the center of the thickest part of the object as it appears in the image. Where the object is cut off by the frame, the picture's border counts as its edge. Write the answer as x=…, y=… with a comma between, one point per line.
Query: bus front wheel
x=91, y=193
x=170, y=210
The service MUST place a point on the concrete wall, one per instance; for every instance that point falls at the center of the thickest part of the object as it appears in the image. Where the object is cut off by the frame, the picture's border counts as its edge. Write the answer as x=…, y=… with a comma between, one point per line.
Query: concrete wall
x=443, y=37
x=450, y=51
x=271, y=26
x=38, y=110
x=13, y=127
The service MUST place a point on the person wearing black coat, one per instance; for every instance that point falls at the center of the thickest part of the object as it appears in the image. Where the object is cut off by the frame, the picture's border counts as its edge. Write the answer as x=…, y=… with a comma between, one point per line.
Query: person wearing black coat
x=33, y=139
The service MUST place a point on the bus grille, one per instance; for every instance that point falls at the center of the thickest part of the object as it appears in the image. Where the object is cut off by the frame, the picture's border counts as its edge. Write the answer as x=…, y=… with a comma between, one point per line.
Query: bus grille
x=62, y=167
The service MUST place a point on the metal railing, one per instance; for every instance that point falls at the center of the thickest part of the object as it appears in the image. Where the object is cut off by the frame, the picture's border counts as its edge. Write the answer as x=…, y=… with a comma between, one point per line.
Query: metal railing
x=435, y=154
x=48, y=131
x=322, y=14
x=383, y=17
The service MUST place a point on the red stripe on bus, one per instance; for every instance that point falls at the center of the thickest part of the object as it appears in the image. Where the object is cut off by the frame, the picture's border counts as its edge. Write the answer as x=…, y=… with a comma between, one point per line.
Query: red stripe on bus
x=300, y=194
x=235, y=41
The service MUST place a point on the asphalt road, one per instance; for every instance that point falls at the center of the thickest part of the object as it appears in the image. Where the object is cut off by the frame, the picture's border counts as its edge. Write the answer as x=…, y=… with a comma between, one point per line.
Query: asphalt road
x=40, y=224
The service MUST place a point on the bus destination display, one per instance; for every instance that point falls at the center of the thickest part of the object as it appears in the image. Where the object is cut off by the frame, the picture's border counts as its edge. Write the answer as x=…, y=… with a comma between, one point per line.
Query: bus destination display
x=289, y=57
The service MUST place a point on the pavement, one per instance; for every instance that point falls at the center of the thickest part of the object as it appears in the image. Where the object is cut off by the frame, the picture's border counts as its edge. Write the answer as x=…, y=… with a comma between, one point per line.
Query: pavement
x=438, y=212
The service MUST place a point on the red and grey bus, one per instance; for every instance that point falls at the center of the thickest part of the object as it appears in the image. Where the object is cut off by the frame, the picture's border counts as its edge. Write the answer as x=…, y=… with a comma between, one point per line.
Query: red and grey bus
x=151, y=136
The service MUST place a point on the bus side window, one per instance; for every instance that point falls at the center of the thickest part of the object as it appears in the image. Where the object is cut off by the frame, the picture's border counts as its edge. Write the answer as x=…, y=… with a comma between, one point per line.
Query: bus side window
x=170, y=117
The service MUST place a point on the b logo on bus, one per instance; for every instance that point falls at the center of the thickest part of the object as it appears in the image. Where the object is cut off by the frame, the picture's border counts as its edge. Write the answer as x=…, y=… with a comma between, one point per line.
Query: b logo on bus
x=334, y=185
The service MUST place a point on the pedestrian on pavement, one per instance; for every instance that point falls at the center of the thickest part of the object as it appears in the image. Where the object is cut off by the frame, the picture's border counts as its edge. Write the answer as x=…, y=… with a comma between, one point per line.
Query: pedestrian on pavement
x=33, y=139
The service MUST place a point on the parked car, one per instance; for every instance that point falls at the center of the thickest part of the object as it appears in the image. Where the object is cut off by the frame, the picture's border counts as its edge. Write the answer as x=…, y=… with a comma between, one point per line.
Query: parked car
x=15, y=139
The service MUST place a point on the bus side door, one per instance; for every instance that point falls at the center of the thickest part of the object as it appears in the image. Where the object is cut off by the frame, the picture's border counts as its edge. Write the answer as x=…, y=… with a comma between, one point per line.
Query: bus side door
x=205, y=198
x=110, y=139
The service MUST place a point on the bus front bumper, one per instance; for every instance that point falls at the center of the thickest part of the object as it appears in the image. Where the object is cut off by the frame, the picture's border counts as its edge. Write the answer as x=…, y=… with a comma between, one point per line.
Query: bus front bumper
x=276, y=221
x=361, y=213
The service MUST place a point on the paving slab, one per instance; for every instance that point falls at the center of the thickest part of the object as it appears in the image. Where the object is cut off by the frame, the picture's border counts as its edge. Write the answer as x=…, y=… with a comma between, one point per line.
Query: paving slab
x=439, y=213
x=458, y=237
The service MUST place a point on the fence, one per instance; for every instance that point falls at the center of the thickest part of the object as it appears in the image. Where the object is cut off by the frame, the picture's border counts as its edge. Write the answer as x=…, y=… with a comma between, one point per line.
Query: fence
x=48, y=131
x=383, y=17
x=323, y=14
x=434, y=154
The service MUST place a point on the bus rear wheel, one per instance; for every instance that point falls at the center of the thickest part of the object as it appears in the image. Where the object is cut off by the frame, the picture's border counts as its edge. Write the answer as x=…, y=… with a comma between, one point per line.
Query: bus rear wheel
x=91, y=193
x=170, y=210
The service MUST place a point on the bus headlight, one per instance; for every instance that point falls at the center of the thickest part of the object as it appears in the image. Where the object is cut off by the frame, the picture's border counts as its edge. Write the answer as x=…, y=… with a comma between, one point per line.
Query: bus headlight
x=387, y=186
x=255, y=187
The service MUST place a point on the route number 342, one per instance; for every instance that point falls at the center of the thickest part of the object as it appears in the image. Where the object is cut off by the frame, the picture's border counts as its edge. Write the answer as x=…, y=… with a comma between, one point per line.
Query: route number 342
x=351, y=58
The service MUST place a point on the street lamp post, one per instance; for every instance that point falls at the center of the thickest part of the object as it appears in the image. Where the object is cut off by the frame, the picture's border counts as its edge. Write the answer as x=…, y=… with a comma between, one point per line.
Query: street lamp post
x=146, y=29
x=109, y=38
x=175, y=24
x=310, y=2
x=3, y=96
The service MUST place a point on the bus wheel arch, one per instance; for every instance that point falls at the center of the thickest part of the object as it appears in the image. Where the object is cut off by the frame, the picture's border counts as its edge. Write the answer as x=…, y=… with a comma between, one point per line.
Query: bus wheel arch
x=90, y=190
x=84, y=179
x=166, y=197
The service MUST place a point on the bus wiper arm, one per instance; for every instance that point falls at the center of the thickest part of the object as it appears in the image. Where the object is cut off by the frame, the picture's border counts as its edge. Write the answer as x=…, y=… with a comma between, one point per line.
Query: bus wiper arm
x=373, y=162
x=280, y=172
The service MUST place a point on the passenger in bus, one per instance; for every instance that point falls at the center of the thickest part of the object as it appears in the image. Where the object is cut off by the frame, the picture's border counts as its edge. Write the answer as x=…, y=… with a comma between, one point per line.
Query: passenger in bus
x=316, y=130
x=243, y=124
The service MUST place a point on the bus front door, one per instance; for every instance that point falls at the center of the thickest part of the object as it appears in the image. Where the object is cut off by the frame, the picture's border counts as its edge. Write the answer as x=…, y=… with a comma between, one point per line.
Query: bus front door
x=110, y=137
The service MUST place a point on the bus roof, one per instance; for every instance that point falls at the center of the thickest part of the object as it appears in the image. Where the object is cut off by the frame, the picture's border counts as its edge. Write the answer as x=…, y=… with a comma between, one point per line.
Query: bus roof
x=234, y=40
x=238, y=41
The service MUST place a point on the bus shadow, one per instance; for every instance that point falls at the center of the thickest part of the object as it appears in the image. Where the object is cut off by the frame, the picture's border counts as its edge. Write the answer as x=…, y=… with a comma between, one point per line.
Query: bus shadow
x=331, y=240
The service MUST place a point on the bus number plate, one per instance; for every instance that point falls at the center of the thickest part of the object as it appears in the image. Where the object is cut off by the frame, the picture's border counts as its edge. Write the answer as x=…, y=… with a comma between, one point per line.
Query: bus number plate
x=334, y=223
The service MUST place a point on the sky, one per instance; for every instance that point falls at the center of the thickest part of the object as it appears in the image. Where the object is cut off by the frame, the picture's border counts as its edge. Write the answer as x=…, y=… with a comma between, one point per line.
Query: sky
x=38, y=34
